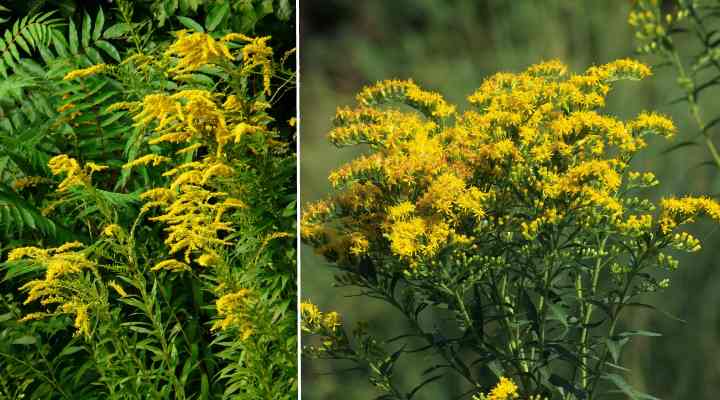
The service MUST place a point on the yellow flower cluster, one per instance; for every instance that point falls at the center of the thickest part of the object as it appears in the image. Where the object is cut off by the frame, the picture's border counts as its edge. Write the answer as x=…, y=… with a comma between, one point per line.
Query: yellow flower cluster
x=315, y=321
x=234, y=309
x=195, y=50
x=75, y=175
x=195, y=203
x=62, y=265
x=406, y=91
x=534, y=148
x=85, y=72
x=677, y=211
x=194, y=210
x=504, y=390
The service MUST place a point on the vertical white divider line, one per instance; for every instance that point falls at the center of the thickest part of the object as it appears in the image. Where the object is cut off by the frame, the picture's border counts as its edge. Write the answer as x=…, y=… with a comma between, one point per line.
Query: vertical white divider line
x=298, y=125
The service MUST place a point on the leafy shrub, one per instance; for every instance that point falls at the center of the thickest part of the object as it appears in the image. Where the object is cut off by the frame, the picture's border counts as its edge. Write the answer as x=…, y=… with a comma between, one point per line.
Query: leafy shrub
x=149, y=210
x=518, y=222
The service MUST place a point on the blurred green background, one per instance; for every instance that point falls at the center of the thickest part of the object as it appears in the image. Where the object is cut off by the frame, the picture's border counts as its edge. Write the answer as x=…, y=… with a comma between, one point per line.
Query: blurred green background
x=450, y=46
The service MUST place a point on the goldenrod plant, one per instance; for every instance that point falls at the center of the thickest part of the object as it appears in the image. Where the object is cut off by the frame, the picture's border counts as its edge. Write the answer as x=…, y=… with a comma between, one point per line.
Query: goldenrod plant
x=149, y=247
x=682, y=36
x=518, y=222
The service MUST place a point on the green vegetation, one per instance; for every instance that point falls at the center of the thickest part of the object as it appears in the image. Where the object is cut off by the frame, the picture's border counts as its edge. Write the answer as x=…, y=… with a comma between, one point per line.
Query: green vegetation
x=450, y=47
x=147, y=200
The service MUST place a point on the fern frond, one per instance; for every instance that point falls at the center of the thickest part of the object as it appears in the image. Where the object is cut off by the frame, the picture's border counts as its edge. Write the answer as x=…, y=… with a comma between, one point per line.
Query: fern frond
x=17, y=215
x=31, y=33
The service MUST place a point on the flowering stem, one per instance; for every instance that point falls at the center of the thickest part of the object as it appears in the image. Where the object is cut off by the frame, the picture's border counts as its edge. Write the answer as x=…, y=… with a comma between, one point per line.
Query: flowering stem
x=587, y=310
x=694, y=107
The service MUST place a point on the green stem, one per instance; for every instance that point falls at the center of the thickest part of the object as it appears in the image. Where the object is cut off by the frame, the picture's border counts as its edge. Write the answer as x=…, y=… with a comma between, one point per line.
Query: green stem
x=694, y=107
x=587, y=310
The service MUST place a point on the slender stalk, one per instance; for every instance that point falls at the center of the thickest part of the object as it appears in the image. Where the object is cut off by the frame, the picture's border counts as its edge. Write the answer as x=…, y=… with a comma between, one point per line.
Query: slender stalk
x=586, y=313
x=694, y=107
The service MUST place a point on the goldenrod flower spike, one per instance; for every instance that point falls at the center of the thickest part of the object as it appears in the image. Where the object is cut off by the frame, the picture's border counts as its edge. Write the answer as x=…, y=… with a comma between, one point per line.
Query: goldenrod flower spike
x=85, y=72
x=196, y=50
x=235, y=310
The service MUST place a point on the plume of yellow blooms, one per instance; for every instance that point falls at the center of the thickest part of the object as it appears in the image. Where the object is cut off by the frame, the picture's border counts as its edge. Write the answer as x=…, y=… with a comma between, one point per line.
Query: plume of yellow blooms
x=312, y=320
x=533, y=150
x=85, y=72
x=148, y=159
x=75, y=175
x=677, y=211
x=59, y=286
x=196, y=50
x=234, y=309
x=194, y=205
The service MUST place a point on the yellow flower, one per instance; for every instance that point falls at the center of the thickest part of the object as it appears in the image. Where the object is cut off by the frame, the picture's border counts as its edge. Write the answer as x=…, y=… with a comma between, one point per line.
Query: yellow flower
x=534, y=152
x=405, y=237
x=505, y=390
x=149, y=159
x=119, y=289
x=85, y=72
x=235, y=309
x=331, y=321
x=75, y=175
x=171, y=265
x=310, y=313
x=196, y=50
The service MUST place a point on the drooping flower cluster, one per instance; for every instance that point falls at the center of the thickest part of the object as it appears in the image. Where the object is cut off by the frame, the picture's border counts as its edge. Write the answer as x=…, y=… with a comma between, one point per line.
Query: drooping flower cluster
x=202, y=139
x=75, y=175
x=62, y=284
x=533, y=149
x=198, y=49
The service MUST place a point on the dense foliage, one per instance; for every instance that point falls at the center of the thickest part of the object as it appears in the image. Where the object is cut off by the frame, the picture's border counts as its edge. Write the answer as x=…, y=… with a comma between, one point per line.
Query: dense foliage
x=147, y=202
x=518, y=223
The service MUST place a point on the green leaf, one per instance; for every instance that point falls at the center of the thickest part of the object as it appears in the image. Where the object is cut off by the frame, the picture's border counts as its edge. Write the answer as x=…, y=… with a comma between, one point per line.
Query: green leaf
x=99, y=24
x=284, y=10
x=190, y=24
x=86, y=30
x=625, y=388
x=217, y=13
x=639, y=333
x=117, y=30
x=25, y=340
x=73, y=36
x=70, y=350
x=615, y=346
x=108, y=48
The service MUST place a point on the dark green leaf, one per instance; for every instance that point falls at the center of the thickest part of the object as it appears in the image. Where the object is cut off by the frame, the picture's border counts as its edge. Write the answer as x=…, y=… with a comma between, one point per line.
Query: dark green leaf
x=217, y=13
x=190, y=24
